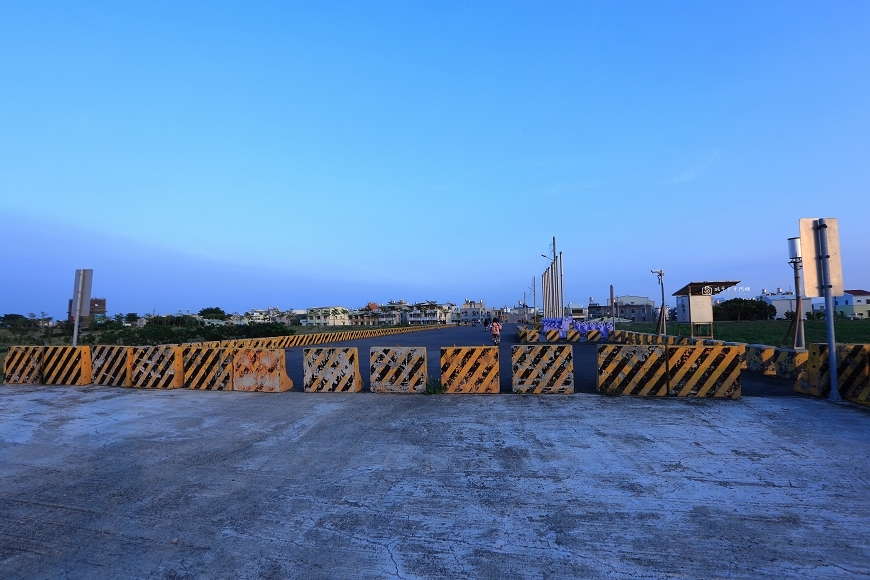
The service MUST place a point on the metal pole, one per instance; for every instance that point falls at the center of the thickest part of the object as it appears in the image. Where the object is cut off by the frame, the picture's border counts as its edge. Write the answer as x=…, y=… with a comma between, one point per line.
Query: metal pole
x=561, y=286
x=799, y=309
x=78, y=306
x=664, y=310
x=822, y=228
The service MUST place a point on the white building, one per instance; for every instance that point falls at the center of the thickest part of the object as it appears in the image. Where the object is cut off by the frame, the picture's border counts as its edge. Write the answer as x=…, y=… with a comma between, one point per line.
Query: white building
x=327, y=316
x=471, y=310
x=785, y=302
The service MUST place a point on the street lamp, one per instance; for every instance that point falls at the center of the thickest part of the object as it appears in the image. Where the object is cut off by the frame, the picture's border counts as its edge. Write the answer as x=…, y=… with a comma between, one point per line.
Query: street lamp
x=795, y=258
x=662, y=312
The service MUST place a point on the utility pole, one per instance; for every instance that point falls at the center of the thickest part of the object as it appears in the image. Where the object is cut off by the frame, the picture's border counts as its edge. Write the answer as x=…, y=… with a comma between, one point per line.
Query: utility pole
x=663, y=312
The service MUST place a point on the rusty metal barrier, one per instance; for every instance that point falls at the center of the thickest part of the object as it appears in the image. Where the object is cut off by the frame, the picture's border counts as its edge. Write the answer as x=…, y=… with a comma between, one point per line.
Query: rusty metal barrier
x=543, y=369
x=470, y=369
x=23, y=365
x=260, y=369
x=66, y=365
x=331, y=370
x=398, y=369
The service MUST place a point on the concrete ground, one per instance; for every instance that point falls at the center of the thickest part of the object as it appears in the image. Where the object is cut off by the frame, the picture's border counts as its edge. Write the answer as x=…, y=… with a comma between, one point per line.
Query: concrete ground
x=99, y=482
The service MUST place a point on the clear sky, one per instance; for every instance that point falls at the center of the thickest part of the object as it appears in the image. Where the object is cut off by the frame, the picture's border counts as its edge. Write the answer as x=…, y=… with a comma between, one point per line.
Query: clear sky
x=300, y=154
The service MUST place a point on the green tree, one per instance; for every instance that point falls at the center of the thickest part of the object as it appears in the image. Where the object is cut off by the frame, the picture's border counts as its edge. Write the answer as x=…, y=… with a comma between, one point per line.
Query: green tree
x=213, y=313
x=743, y=309
x=131, y=318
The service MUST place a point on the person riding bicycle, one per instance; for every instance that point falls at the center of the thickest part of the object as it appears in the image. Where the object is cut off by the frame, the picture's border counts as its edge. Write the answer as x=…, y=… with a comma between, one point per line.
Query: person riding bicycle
x=495, y=328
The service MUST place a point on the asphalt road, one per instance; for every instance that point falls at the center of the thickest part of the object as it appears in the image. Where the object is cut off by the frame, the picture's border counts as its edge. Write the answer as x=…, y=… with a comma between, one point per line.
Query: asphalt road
x=101, y=482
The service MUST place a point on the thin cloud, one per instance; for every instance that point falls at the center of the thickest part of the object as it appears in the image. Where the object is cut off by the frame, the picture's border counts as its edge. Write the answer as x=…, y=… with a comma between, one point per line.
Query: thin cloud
x=695, y=172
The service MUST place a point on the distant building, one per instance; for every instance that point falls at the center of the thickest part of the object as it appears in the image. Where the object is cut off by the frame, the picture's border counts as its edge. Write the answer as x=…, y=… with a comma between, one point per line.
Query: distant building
x=328, y=316
x=471, y=310
x=785, y=302
x=575, y=311
x=853, y=304
x=635, y=308
x=596, y=310
x=98, y=309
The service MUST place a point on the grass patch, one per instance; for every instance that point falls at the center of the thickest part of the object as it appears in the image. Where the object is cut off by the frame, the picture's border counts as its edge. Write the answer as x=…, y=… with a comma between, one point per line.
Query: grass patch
x=771, y=332
x=434, y=386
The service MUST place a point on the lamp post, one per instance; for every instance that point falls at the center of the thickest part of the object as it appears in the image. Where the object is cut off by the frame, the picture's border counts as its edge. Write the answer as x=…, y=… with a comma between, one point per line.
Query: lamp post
x=663, y=312
x=796, y=260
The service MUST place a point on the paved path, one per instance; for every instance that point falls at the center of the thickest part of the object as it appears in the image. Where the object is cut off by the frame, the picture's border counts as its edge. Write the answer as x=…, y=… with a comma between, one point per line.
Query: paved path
x=124, y=483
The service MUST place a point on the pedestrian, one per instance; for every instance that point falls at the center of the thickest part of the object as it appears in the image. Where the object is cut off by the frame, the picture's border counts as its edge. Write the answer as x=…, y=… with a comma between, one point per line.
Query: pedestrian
x=495, y=328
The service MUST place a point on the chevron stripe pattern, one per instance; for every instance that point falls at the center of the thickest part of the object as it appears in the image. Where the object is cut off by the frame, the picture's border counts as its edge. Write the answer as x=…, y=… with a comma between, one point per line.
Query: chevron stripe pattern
x=760, y=359
x=470, y=369
x=110, y=366
x=593, y=335
x=331, y=370
x=209, y=369
x=23, y=365
x=542, y=369
x=66, y=365
x=632, y=370
x=852, y=372
x=398, y=369
x=789, y=363
x=705, y=371
x=156, y=367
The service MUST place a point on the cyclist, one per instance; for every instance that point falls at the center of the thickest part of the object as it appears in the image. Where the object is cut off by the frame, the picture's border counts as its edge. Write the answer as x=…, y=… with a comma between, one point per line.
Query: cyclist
x=495, y=328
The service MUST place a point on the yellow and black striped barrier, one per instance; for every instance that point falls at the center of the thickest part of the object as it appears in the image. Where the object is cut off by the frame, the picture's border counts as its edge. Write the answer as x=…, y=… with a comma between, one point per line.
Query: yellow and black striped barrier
x=632, y=370
x=852, y=372
x=209, y=369
x=331, y=370
x=704, y=371
x=398, y=369
x=761, y=359
x=594, y=335
x=66, y=365
x=789, y=363
x=23, y=365
x=470, y=369
x=543, y=369
x=533, y=336
x=551, y=335
x=521, y=333
x=260, y=369
x=156, y=367
x=110, y=365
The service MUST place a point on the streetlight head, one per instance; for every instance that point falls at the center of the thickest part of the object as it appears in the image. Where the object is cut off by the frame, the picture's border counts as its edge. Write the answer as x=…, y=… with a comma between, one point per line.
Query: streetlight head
x=546, y=257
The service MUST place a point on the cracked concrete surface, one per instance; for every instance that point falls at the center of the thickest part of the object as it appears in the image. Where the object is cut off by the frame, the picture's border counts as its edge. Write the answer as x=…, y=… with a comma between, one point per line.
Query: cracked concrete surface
x=98, y=482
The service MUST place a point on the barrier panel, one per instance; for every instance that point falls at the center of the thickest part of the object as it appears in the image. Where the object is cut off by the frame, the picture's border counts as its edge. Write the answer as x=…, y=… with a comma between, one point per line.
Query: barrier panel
x=618, y=336
x=470, y=369
x=66, y=365
x=331, y=370
x=704, y=371
x=259, y=369
x=521, y=333
x=542, y=369
x=156, y=367
x=632, y=370
x=852, y=372
x=209, y=369
x=551, y=335
x=23, y=365
x=760, y=359
x=593, y=335
x=398, y=369
x=573, y=335
x=533, y=336
x=110, y=365
x=790, y=363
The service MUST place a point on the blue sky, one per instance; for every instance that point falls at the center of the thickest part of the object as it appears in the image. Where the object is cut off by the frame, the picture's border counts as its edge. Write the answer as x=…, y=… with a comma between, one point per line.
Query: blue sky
x=299, y=154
